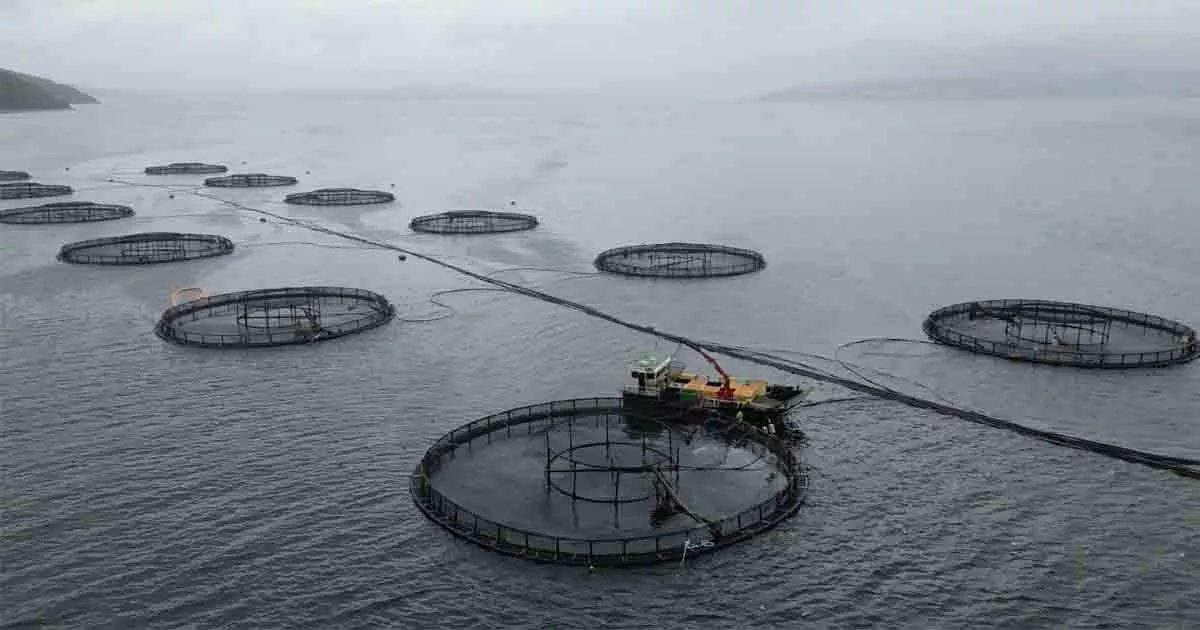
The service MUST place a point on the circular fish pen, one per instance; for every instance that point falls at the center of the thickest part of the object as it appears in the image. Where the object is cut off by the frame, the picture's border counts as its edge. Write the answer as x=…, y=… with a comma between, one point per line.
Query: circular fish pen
x=65, y=212
x=473, y=222
x=1063, y=333
x=33, y=190
x=591, y=482
x=146, y=248
x=250, y=180
x=680, y=260
x=13, y=176
x=339, y=197
x=186, y=168
x=273, y=317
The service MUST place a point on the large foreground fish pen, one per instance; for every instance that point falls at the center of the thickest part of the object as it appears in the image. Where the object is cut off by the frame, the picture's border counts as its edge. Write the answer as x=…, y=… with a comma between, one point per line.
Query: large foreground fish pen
x=250, y=180
x=146, y=248
x=274, y=317
x=473, y=222
x=65, y=212
x=339, y=197
x=1063, y=333
x=33, y=190
x=13, y=176
x=591, y=482
x=680, y=260
x=186, y=168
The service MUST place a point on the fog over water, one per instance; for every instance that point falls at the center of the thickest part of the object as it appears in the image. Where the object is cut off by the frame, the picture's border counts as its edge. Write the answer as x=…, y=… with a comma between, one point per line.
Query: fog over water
x=672, y=47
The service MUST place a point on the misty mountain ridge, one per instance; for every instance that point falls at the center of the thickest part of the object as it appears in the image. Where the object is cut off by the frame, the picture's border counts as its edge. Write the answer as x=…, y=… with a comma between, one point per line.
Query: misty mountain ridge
x=26, y=92
x=334, y=91
x=1008, y=85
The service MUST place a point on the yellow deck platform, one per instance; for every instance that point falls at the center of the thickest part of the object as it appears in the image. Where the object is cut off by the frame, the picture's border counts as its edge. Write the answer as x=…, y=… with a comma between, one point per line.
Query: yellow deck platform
x=742, y=390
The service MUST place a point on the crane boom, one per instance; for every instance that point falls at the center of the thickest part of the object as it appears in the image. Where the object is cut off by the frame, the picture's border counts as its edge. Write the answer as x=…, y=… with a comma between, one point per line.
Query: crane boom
x=726, y=390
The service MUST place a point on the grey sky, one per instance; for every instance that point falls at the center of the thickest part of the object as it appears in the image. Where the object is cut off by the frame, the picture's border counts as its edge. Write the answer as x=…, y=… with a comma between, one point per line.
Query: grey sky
x=697, y=46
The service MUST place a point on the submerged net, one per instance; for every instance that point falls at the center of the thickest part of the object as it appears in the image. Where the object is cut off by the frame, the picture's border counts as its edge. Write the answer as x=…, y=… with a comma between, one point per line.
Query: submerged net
x=145, y=249
x=66, y=212
x=33, y=190
x=680, y=260
x=339, y=197
x=274, y=317
x=473, y=222
x=186, y=168
x=589, y=481
x=1063, y=333
x=250, y=180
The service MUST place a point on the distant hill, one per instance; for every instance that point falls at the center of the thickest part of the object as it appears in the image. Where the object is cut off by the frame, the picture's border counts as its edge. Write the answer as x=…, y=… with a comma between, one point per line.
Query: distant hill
x=26, y=92
x=1034, y=85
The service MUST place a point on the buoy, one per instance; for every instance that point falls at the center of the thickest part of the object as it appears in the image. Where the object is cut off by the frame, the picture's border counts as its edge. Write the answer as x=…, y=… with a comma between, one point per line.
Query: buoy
x=262, y=219
x=402, y=257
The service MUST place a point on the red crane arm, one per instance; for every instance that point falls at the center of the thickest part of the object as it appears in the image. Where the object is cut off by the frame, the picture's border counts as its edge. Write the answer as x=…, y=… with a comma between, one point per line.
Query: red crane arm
x=726, y=382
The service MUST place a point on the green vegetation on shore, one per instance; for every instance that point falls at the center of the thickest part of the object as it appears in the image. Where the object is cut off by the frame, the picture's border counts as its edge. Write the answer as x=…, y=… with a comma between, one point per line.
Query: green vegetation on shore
x=25, y=92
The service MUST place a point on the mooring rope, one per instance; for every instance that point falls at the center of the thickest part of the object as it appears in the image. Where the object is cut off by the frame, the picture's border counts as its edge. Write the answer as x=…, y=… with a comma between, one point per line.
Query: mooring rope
x=1187, y=467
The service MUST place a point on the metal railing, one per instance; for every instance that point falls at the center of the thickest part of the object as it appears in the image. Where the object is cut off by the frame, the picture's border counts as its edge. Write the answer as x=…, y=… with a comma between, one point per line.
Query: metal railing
x=680, y=260
x=1184, y=349
x=146, y=248
x=33, y=190
x=186, y=168
x=473, y=222
x=596, y=551
x=339, y=197
x=250, y=180
x=65, y=212
x=381, y=312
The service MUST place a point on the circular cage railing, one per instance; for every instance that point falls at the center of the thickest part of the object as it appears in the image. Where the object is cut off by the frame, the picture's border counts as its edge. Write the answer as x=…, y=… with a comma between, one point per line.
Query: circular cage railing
x=473, y=222
x=250, y=180
x=339, y=197
x=33, y=190
x=13, y=176
x=65, y=212
x=274, y=317
x=680, y=260
x=1063, y=333
x=186, y=168
x=146, y=248
x=568, y=463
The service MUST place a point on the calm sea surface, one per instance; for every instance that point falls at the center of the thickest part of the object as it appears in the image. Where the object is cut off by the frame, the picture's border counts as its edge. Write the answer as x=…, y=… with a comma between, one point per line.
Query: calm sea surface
x=145, y=485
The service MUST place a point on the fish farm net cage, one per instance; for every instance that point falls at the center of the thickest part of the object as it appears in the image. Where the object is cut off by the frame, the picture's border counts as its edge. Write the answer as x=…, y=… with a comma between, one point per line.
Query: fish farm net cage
x=274, y=317
x=680, y=260
x=339, y=197
x=592, y=482
x=13, y=176
x=33, y=190
x=65, y=212
x=146, y=248
x=187, y=168
x=1063, y=333
x=250, y=180
x=473, y=222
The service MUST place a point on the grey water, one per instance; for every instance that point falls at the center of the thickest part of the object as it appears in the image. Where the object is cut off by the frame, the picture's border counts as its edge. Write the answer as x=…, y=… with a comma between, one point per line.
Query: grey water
x=146, y=485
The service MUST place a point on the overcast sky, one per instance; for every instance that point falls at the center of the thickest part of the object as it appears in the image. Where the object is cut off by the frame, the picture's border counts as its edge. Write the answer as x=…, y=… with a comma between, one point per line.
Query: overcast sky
x=695, y=46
